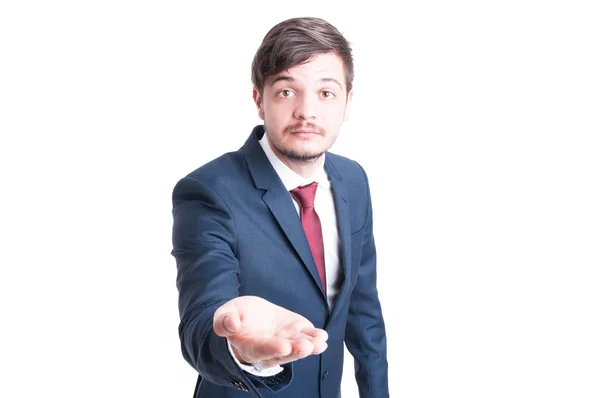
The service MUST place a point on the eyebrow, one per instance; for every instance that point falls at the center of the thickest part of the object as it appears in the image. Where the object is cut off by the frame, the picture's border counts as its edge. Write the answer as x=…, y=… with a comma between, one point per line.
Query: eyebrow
x=291, y=79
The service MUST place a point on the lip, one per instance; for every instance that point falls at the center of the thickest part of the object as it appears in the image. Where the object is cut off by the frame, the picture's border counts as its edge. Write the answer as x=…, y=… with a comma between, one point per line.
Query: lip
x=305, y=132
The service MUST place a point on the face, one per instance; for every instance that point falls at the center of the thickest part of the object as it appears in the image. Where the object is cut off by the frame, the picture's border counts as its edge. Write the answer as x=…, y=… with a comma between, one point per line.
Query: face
x=304, y=107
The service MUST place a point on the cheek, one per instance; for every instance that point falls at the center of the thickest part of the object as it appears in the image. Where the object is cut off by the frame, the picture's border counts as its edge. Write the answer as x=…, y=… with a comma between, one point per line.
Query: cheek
x=272, y=121
x=334, y=117
x=276, y=115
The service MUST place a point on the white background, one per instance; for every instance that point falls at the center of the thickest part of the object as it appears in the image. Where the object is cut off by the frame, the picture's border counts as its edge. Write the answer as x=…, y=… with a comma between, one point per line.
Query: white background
x=477, y=122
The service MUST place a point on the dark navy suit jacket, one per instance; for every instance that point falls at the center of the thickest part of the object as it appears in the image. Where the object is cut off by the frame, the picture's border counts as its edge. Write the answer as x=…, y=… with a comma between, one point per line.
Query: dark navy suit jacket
x=236, y=232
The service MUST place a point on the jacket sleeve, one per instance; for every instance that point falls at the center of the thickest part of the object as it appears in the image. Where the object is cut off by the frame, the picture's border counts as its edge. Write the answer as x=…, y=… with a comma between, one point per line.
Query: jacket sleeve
x=204, y=246
x=365, y=330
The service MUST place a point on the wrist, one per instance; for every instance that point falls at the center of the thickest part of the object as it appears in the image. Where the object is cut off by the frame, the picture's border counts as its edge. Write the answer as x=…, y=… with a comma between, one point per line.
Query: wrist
x=238, y=356
x=255, y=369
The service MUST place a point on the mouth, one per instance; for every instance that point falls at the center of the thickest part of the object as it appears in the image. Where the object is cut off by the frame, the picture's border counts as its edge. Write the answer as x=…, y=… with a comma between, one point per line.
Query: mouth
x=305, y=131
x=306, y=135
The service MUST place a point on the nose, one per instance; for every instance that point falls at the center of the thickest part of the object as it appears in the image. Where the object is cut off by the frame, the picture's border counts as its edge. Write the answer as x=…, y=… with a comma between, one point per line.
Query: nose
x=306, y=108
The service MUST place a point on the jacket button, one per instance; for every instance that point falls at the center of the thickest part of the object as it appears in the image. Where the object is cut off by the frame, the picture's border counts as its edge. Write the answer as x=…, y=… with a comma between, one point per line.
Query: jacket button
x=239, y=385
x=325, y=375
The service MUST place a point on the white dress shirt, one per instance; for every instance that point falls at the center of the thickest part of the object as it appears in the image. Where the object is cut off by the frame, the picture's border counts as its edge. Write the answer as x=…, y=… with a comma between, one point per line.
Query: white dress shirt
x=325, y=208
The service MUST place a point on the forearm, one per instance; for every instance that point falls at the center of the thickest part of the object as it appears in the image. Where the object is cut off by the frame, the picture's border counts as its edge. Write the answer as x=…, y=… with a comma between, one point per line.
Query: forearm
x=366, y=341
x=365, y=330
x=204, y=246
x=203, y=349
x=211, y=356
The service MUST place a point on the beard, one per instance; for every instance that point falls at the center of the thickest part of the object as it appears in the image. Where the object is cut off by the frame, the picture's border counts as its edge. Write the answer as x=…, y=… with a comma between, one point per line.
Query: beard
x=299, y=157
x=295, y=156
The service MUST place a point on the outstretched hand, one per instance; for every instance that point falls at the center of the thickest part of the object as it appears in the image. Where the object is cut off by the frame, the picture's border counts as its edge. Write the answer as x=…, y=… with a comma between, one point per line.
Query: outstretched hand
x=261, y=332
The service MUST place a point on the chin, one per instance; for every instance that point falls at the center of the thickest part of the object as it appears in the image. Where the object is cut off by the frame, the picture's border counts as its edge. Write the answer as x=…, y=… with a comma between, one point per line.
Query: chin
x=301, y=154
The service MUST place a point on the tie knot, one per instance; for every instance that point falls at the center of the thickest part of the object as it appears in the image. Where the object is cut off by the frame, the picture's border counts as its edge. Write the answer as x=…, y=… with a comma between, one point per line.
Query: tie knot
x=305, y=195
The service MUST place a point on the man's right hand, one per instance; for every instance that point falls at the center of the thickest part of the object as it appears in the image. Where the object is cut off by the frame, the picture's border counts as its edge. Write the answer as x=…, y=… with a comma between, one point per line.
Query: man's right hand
x=261, y=332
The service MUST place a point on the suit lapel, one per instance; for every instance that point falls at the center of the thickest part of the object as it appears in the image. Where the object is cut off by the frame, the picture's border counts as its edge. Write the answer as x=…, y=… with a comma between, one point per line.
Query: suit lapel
x=343, y=220
x=279, y=201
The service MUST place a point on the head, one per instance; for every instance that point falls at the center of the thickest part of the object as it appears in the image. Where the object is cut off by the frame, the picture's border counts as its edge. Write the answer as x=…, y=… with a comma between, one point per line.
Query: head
x=302, y=75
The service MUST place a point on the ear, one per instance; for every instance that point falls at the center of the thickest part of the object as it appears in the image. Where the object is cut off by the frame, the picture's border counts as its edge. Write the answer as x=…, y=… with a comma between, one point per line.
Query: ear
x=259, y=105
x=348, y=105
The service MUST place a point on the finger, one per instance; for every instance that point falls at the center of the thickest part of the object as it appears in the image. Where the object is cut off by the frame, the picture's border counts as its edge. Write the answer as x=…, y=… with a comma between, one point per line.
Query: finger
x=257, y=349
x=316, y=333
x=317, y=337
x=319, y=342
x=226, y=324
x=272, y=347
x=295, y=327
x=320, y=347
x=301, y=349
x=283, y=360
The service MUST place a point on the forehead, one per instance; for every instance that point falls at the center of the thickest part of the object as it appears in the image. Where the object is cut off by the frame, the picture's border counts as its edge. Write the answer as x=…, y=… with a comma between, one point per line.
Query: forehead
x=323, y=66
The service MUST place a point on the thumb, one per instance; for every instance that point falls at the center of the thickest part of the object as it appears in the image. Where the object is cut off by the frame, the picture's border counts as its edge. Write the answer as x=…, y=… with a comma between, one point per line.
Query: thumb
x=226, y=324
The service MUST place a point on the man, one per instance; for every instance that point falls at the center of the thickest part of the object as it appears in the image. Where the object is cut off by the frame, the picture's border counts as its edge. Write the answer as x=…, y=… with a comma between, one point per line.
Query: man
x=274, y=242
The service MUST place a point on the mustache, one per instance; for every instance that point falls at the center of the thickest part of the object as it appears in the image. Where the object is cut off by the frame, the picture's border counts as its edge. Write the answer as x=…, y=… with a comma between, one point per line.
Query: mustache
x=304, y=126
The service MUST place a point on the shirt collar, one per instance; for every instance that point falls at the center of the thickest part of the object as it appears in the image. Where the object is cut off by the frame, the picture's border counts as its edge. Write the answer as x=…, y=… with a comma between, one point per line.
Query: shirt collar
x=289, y=177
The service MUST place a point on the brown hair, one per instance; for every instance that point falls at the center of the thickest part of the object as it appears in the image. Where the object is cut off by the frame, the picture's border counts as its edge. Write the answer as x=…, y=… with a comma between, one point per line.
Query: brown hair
x=296, y=41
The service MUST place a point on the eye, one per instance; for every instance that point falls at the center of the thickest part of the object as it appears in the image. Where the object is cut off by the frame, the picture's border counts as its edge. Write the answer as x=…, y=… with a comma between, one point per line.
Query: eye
x=285, y=93
x=327, y=94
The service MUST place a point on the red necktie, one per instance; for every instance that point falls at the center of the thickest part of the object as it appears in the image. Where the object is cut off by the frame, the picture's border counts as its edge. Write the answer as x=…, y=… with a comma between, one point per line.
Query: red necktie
x=305, y=197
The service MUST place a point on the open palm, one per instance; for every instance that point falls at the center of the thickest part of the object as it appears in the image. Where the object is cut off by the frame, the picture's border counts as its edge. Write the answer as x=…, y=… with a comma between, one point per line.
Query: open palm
x=261, y=332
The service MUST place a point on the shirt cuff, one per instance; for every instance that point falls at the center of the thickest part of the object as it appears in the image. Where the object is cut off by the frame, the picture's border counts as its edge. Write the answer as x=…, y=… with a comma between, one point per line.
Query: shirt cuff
x=256, y=369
